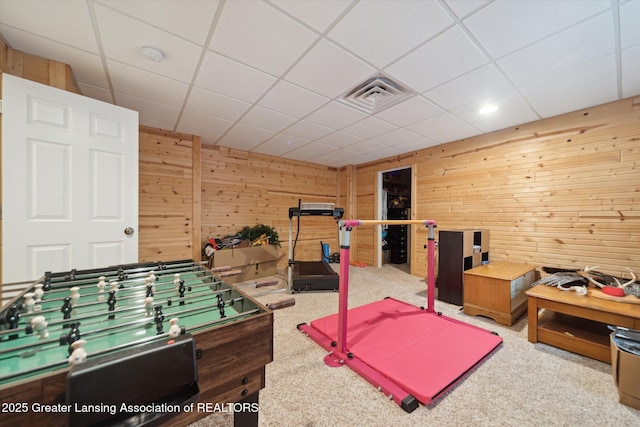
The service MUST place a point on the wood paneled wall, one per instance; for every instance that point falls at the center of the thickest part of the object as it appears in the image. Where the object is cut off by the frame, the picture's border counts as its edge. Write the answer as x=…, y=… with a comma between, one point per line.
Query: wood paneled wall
x=169, y=202
x=241, y=188
x=561, y=192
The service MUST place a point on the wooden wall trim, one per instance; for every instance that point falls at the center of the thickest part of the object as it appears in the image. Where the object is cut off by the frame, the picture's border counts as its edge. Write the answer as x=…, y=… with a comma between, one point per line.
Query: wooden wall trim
x=197, y=197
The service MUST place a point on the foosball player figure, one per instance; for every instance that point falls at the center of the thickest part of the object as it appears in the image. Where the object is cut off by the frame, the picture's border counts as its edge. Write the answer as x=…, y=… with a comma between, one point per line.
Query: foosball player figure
x=181, y=291
x=220, y=305
x=75, y=297
x=148, y=306
x=102, y=282
x=38, y=293
x=174, y=329
x=176, y=282
x=159, y=318
x=73, y=336
x=121, y=274
x=39, y=325
x=11, y=319
x=149, y=290
x=111, y=302
x=66, y=308
x=29, y=302
x=79, y=354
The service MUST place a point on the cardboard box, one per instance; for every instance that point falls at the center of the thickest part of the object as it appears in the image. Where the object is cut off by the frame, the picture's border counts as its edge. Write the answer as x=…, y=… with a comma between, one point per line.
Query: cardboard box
x=626, y=371
x=253, y=262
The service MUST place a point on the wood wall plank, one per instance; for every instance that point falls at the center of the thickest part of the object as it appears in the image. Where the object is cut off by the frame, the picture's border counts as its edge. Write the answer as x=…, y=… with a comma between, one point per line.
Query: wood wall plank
x=244, y=189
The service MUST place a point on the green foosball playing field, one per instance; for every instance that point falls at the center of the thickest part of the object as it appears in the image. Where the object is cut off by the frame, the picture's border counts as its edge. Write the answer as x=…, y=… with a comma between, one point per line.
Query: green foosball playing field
x=67, y=319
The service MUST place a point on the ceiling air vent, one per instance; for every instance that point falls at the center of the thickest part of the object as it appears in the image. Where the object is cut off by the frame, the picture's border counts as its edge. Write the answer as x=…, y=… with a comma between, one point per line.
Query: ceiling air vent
x=375, y=94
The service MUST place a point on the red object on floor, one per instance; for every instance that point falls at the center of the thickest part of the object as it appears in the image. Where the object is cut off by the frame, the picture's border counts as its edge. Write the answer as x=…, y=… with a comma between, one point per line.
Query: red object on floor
x=423, y=353
x=408, y=353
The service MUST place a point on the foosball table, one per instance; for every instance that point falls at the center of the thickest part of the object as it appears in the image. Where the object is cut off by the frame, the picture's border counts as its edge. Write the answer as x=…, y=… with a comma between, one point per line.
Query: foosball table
x=137, y=344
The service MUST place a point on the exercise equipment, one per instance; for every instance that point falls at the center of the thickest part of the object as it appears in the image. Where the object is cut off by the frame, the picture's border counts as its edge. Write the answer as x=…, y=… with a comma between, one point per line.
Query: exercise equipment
x=412, y=354
x=310, y=275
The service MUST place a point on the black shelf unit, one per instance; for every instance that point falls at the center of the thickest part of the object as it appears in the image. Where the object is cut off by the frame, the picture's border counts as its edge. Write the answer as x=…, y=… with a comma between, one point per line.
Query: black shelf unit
x=458, y=251
x=397, y=236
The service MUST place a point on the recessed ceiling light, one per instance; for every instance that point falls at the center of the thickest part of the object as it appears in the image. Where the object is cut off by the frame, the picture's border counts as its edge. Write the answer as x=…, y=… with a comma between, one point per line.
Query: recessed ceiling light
x=153, y=53
x=488, y=109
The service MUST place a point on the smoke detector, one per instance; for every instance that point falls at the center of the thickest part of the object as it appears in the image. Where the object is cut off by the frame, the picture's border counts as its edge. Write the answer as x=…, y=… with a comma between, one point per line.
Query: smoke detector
x=375, y=94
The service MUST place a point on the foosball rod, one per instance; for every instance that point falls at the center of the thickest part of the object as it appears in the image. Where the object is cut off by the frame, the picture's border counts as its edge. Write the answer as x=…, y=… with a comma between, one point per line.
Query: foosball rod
x=194, y=282
x=114, y=277
x=120, y=326
x=111, y=274
x=119, y=310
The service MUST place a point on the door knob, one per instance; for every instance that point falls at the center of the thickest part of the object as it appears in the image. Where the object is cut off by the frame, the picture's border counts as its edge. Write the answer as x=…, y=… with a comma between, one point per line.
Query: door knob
x=128, y=231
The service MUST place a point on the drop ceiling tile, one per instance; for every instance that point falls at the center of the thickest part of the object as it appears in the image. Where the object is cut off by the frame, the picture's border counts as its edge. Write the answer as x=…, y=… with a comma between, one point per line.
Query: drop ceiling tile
x=476, y=86
x=629, y=28
x=447, y=56
x=335, y=115
x=505, y=26
x=267, y=119
x=388, y=152
x=316, y=149
x=416, y=144
x=435, y=124
x=582, y=43
x=279, y=145
x=462, y=8
x=369, y=127
x=318, y=14
x=631, y=86
x=149, y=111
x=143, y=84
x=257, y=34
x=631, y=71
x=231, y=78
x=291, y=99
x=409, y=111
x=399, y=27
x=207, y=127
x=339, y=140
x=396, y=137
x=512, y=110
x=94, y=92
x=124, y=37
x=307, y=130
x=211, y=104
x=329, y=70
x=455, y=134
x=43, y=18
x=189, y=19
x=87, y=67
x=245, y=137
x=559, y=92
x=365, y=147
x=297, y=155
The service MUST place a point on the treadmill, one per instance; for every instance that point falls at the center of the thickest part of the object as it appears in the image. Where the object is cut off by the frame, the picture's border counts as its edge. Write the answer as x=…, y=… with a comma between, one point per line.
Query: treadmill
x=310, y=275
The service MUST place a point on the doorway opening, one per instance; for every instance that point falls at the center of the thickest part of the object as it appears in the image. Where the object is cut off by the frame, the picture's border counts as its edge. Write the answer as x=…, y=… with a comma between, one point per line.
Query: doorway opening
x=395, y=203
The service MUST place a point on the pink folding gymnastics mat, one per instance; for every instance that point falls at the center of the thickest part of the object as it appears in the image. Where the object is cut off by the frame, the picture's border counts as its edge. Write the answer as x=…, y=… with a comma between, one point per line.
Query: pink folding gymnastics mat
x=412, y=354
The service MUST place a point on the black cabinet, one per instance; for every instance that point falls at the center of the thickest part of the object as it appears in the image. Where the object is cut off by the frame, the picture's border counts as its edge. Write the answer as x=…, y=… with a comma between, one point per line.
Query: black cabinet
x=397, y=236
x=459, y=250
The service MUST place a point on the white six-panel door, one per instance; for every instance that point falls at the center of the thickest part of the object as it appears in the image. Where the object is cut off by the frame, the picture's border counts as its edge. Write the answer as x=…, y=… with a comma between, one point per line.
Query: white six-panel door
x=69, y=181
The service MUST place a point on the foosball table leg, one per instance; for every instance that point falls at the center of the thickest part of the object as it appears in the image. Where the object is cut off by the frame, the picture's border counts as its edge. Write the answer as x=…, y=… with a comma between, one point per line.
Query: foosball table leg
x=248, y=416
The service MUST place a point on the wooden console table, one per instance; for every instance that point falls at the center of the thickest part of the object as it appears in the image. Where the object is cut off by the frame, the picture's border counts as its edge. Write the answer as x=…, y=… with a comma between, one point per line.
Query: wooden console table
x=577, y=323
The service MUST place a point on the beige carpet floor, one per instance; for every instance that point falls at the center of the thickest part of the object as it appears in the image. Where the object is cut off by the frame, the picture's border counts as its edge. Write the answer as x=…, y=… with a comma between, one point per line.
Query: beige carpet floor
x=521, y=384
